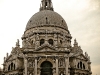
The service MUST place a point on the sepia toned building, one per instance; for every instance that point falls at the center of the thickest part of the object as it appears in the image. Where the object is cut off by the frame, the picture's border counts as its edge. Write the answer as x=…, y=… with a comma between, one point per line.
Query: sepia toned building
x=46, y=48
x=1, y=71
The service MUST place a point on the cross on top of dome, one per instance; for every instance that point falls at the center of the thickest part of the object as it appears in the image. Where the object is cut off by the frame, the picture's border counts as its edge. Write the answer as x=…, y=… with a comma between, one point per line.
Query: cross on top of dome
x=46, y=5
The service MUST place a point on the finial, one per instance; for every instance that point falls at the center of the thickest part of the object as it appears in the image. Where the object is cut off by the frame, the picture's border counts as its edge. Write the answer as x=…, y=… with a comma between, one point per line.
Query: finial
x=17, y=43
x=46, y=5
x=75, y=43
x=86, y=54
x=4, y=59
x=80, y=47
x=7, y=55
x=89, y=57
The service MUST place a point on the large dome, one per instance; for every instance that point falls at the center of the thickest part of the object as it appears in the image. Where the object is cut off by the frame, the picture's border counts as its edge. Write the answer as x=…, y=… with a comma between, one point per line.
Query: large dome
x=46, y=18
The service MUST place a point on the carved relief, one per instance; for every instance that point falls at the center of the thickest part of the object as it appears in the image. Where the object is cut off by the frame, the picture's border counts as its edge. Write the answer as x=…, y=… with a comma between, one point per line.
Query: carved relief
x=31, y=62
x=30, y=72
x=26, y=43
x=37, y=37
x=61, y=62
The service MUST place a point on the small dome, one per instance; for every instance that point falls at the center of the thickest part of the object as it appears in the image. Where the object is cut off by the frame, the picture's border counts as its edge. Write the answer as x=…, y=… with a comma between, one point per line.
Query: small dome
x=46, y=18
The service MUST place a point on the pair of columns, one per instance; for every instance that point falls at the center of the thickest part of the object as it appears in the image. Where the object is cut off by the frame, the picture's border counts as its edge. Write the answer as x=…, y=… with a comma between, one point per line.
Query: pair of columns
x=25, y=64
x=57, y=71
x=66, y=66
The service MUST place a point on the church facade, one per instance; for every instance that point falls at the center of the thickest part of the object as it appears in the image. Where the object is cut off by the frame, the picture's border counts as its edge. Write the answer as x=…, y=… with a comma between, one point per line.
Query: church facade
x=46, y=48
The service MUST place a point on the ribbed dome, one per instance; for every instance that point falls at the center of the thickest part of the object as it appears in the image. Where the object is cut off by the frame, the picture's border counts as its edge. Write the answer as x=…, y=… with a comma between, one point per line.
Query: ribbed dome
x=46, y=18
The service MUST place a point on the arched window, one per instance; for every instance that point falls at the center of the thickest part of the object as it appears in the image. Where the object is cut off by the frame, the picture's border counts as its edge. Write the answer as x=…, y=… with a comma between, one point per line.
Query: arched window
x=50, y=41
x=9, y=68
x=14, y=66
x=81, y=65
x=78, y=65
x=41, y=41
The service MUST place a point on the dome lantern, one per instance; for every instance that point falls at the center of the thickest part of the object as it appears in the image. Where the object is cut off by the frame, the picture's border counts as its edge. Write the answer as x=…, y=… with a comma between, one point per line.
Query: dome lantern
x=46, y=5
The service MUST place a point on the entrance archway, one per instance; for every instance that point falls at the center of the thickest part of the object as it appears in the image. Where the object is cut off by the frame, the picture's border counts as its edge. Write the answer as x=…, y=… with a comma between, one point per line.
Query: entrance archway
x=46, y=68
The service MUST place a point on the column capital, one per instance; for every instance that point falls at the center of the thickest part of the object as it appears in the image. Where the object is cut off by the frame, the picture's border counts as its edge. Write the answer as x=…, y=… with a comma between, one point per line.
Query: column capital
x=25, y=56
x=56, y=57
x=66, y=56
x=35, y=57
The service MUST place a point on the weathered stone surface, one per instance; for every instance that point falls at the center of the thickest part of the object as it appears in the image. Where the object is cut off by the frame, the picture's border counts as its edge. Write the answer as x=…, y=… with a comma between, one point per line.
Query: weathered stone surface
x=46, y=48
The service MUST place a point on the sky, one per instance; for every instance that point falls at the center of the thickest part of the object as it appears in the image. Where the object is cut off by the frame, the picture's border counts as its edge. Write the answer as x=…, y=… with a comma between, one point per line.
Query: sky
x=82, y=18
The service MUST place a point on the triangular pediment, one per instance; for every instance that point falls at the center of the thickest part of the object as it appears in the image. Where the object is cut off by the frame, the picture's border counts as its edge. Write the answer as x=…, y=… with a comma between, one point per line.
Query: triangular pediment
x=46, y=48
x=81, y=56
x=11, y=57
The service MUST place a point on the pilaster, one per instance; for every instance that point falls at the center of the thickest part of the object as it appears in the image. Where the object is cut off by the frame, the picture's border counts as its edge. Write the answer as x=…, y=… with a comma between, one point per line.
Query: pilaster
x=57, y=66
x=35, y=65
x=67, y=65
x=25, y=64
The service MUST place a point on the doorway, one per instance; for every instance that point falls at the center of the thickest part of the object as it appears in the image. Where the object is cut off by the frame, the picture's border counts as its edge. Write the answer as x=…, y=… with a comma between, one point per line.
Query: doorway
x=46, y=68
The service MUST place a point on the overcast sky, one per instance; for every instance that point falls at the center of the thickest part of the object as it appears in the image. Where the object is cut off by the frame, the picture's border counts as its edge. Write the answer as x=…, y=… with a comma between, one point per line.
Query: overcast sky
x=82, y=17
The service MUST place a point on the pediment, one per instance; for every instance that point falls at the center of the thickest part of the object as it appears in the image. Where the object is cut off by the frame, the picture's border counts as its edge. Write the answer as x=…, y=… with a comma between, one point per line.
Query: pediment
x=81, y=56
x=46, y=48
x=11, y=57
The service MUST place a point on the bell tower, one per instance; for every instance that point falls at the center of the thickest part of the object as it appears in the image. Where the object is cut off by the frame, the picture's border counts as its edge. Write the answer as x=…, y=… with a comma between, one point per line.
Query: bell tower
x=46, y=5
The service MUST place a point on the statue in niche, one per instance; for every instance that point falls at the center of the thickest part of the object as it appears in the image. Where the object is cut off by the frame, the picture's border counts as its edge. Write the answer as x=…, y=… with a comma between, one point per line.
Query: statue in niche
x=37, y=37
x=61, y=62
x=26, y=43
x=86, y=54
x=30, y=64
x=55, y=36
x=36, y=44
x=64, y=38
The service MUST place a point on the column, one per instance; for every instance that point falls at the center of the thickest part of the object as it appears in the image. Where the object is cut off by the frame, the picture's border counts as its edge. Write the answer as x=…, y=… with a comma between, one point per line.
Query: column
x=75, y=63
x=86, y=65
x=25, y=64
x=67, y=65
x=55, y=39
x=35, y=65
x=16, y=64
x=57, y=66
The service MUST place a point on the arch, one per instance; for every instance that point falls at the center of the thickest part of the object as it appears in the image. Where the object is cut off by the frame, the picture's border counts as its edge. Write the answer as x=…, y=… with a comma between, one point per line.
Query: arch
x=49, y=59
x=80, y=64
x=42, y=41
x=9, y=68
x=83, y=66
x=46, y=68
x=50, y=41
x=14, y=66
